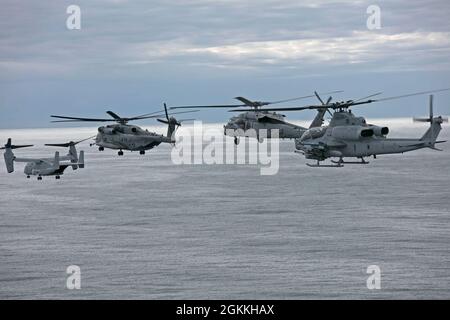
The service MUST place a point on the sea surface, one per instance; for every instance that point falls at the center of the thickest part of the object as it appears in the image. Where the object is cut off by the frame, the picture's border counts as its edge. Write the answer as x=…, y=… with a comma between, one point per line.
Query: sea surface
x=141, y=227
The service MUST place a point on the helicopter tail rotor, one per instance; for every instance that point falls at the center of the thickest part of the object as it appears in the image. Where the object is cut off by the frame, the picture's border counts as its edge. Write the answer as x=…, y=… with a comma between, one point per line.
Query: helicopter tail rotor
x=171, y=122
x=431, y=118
x=435, y=126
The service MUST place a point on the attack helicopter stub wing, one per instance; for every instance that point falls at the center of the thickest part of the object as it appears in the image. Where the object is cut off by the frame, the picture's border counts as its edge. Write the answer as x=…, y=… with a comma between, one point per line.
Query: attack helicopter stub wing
x=336, y=144
x=329, y=144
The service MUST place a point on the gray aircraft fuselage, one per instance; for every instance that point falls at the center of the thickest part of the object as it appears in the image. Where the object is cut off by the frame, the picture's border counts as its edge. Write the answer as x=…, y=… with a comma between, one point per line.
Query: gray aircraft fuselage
x=128, y=137
x=256, y=120
x=350, y=136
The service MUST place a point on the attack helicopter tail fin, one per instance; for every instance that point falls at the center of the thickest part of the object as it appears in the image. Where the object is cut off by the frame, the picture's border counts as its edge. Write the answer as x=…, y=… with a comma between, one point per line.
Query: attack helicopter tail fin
x=432, y=133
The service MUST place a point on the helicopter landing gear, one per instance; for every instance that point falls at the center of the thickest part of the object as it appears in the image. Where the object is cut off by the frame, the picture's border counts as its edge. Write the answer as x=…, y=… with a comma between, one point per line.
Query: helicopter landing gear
x=318, y=165
x=57, y=177
x=101, y=148
x=142, y=152
x=236, y=140
x=120, y=153
x=341, y=161
x=39, y=178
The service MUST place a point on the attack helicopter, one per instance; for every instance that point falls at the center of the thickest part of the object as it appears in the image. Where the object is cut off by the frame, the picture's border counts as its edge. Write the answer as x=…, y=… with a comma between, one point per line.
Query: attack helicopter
x=257, y=119
x=350, y=136
x=123, y=136
x=45, y=166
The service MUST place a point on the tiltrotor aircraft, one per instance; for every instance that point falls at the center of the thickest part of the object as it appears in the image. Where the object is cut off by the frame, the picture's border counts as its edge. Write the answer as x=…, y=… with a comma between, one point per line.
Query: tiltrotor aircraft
x=350, y=136
x=45, y=166
x=257, y=119
x=122, y=136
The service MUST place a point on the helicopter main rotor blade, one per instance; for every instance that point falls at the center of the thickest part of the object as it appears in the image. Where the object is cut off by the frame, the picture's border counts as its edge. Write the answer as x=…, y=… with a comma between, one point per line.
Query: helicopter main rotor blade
x=68, y=144
x=339, y=105
x=184, y=120
x=9, y=145
x=248, y=103
x=283, y=108
x=412, y=94
x=165, y=111
x=209, y=106
x=318, y=97
x=73, y=119
x=114, y=115
x=302, y=97
x=372, y=95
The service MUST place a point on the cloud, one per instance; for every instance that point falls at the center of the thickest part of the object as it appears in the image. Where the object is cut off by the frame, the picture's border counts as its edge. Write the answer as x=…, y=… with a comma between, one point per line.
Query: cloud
x=377, y=50
x=259, y=35
x=224, y=45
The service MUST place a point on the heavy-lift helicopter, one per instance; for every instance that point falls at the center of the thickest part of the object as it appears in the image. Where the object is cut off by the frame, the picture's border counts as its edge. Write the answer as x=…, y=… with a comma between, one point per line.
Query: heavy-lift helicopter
x=258, y=119
x=123, y=136
x=350, y=136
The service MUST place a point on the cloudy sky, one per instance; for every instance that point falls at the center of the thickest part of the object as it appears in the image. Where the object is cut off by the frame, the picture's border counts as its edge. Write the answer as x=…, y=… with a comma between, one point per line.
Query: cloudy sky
x=131, y=56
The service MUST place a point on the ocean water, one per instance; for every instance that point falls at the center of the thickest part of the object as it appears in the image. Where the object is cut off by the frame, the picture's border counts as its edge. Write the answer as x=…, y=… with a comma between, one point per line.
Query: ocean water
x=142, y=227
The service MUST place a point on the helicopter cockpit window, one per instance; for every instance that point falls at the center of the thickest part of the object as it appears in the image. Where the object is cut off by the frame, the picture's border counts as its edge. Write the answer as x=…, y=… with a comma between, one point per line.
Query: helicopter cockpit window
x=313, y=133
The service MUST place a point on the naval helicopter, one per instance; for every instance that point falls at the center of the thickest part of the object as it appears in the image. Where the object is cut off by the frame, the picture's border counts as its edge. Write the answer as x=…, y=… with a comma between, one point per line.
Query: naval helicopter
x=123, y=136
x=351, y=136
x=45, y=166
x=257, y=119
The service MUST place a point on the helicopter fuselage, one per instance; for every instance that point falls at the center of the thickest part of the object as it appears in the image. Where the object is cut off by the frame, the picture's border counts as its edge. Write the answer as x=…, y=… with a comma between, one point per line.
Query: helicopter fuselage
x=241, y=125
x=43, y=168
x=128, y=137
x=350, y=136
